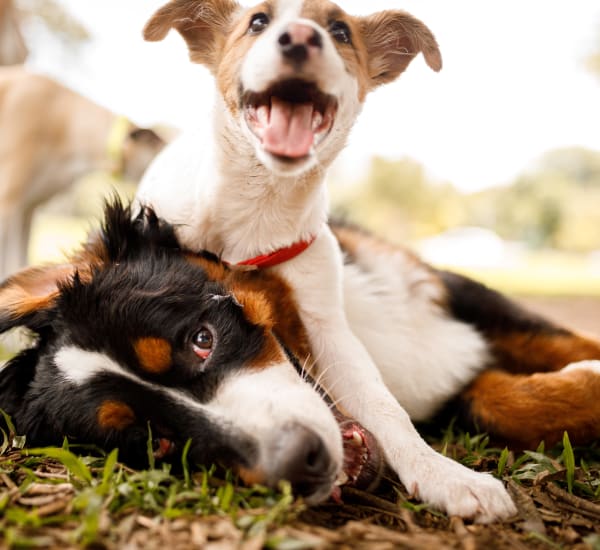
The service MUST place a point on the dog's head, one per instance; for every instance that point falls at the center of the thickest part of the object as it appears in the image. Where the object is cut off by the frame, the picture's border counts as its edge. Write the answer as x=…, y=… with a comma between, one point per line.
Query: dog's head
x=293, y=74
x=136, y=333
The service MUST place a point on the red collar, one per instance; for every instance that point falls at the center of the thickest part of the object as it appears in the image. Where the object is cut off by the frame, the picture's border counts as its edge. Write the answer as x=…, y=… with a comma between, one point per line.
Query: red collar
x=278, y=256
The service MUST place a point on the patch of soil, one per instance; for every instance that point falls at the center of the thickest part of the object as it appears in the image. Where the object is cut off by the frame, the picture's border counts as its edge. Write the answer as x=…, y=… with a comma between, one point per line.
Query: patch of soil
x=578, y=313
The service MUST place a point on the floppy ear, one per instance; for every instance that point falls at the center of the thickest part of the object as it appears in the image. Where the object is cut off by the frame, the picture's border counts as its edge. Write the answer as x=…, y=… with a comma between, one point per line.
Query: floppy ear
x=146, y=136
x=393, y=39
x=204, y=25
x=27, y=297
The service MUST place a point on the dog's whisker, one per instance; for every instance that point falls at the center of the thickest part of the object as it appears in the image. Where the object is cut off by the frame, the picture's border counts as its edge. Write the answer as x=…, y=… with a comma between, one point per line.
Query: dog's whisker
x=333, y=405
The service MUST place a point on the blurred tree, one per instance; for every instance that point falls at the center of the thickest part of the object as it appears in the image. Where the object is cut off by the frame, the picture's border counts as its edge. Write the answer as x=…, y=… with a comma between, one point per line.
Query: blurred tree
x=12, y=46
x=15, y=13
x=593, y=60
x=398, y=200
x=56, y=19
x=555, y=204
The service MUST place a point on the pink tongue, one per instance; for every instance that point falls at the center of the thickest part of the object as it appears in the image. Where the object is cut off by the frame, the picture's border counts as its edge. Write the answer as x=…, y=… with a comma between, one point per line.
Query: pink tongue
x=289, y=132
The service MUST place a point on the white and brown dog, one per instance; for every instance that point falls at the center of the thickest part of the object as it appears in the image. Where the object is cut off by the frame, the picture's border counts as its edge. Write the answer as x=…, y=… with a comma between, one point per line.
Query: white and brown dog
x=291, y=77
x=49, y=137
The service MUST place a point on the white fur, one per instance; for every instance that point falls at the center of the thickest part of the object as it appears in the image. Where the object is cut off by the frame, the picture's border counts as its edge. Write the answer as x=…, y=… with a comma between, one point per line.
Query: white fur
x=423, y=355
x=591, y=366
x=245, y=204
x=259, y=403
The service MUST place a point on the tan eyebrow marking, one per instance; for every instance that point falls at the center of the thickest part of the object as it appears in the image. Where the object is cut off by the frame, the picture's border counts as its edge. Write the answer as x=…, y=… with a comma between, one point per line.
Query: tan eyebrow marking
x=154, y=354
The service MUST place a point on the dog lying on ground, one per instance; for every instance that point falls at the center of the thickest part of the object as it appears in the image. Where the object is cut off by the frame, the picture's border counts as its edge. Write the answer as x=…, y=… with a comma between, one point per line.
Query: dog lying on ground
x=291, y=77
x=138, y=332
x=49, y=137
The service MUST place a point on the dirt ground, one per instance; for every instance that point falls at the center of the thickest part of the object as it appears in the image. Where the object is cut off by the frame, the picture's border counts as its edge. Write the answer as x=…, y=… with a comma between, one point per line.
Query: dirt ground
x=581, y=314
x=549, y=515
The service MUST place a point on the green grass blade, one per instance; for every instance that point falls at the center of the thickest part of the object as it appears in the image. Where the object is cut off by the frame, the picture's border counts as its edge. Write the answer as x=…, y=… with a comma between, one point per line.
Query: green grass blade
x=109, y=468
x=569, y=461
x=502, y=460
x=184, y=463
x=8, y=421
x=150, y=449
x=74, y=464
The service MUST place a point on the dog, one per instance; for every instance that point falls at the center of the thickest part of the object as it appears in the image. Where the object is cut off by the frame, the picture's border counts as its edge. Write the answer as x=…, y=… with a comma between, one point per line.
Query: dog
x=291, y=77
x=12, y=45
x=137, y=337
x=49, y=137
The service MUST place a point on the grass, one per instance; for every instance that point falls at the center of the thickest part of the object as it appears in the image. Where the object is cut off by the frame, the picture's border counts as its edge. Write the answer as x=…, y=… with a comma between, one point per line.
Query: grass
x=545, y=273
x=79, y=496
x=56, y=494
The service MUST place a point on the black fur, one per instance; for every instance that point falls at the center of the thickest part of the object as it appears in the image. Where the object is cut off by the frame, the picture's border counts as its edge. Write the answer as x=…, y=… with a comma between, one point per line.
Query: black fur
x=145, y=288
x=489, y=311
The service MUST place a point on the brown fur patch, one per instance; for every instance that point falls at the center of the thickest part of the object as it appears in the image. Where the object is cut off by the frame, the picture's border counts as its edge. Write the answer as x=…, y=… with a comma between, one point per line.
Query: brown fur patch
x=258, y=309
x=35, y=289
x=115, y=415
x=233, y=52
x=525, y=352
x=154, y=354
x=393, y=39
x=354, y=55
x=256, y=305
x=203, y=25
x=32, y=290
x=285, y=319
x=215, y=271
x=526, y=409
x=252, y=476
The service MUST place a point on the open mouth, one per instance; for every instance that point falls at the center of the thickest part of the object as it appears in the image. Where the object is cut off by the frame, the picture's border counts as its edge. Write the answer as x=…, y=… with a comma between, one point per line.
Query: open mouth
x=363, y=459
x=290, y=118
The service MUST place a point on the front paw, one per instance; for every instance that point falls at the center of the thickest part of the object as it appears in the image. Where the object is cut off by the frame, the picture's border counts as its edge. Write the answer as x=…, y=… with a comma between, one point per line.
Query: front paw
x=458, y=491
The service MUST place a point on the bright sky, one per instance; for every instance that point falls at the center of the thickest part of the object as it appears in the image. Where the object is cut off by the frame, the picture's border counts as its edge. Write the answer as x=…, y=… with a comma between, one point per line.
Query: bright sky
x=513, y=84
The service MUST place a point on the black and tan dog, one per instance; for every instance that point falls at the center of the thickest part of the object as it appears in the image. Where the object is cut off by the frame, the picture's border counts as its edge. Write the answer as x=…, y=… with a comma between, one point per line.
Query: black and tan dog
x=138, y=332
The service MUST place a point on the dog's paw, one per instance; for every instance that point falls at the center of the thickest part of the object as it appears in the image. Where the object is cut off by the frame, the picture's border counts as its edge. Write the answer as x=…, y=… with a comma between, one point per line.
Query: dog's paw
x=458, y=491
x=590, y=366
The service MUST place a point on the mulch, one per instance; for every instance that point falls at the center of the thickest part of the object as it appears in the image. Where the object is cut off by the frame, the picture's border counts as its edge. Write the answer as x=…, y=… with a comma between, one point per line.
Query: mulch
x=548, y=517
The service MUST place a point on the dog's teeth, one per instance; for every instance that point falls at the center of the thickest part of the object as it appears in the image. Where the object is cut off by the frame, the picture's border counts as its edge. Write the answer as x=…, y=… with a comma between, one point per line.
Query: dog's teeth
x=262, y=115
x=357, y=439
x=317, y=120
x=342, y=479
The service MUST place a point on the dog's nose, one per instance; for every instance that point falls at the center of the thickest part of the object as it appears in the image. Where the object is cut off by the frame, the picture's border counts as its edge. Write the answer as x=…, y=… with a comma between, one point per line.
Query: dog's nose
x=303, y=459
x=299, y=41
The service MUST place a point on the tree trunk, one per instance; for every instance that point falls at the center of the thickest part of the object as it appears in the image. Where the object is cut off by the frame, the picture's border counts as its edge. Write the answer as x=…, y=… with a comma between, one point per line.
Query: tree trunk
x=13, y=50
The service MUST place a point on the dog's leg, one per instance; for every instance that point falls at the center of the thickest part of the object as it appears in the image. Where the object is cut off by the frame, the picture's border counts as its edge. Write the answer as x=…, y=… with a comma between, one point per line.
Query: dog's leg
x=527, y=409
x=520, y=341
x=544, y=379
x=353, y=380
x=356, y=385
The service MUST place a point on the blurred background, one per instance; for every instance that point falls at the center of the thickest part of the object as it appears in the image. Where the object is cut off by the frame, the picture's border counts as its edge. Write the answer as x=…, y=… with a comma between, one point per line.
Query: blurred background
x=491, y=167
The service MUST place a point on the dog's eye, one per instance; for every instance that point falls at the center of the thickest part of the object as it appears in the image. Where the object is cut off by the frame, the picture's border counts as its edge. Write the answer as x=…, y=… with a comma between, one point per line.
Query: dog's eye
x=258, y=23
x=203, y=343
x=340, y=31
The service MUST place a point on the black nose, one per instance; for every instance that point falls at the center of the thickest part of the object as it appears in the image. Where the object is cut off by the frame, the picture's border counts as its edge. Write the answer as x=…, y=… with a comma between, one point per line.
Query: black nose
x=296, y=49
x=301, y=458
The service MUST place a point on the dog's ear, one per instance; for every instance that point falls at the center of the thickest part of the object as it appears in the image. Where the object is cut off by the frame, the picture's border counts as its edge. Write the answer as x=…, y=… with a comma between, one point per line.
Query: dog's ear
x=27, y=297
x=393, y=39
x=146, y=136
x=204, y=25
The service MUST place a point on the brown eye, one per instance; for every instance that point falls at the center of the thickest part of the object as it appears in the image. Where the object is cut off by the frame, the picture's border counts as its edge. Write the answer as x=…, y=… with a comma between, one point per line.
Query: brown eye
x=203, y=343
x=340, y=32
x=258, y=23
